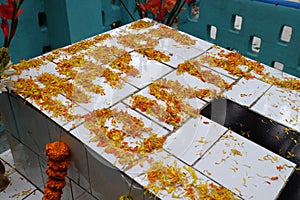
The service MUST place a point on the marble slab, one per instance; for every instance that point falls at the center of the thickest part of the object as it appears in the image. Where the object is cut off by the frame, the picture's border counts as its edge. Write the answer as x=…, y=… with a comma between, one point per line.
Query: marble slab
x=193, y=139
x=246, y=91
x=112, y=95
x=73, y=108
x=150, y=70
x=214, y=51
x=139, y=174
x=281, y=105
x=195, y=103
x=196, y=83
x=246, y=168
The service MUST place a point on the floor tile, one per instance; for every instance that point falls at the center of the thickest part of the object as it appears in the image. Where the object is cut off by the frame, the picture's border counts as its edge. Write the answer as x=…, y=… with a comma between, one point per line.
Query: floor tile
x=246, y=168
x=18, y=188
x=8, y=157
x=35, y=195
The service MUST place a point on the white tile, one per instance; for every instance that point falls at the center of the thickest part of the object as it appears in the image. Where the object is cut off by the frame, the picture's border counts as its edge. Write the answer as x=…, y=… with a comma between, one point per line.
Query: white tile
x=277, y=77
x=193, y=139
x=214, y=53
x=246, y=168
x=8, y=157
x=140, y=176
x=150, y=70
x=154, y=24
x=246, y=92
x=83, y=134
x=188, y=80
x=280, y=105
x=272, y=72
x=187, y=52
x=111, y=96
x=175, y=59
x=110, y=47
x=72, y=109
x=195, y=103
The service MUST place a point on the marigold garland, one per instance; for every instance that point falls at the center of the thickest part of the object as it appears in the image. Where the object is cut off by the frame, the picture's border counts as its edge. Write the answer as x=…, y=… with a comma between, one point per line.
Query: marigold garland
x=58, y=154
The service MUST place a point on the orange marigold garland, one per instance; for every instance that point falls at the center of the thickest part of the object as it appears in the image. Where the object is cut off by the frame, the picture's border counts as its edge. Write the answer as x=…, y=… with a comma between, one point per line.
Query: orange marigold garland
x=58, y=162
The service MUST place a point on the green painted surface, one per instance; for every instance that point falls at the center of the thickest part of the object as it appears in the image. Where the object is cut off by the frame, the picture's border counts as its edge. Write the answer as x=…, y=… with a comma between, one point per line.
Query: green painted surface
x=69, y=21
x=259, y=19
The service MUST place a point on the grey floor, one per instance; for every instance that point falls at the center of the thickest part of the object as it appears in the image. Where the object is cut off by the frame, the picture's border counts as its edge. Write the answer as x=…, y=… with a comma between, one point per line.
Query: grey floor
x=4, y=145
x=19, y=188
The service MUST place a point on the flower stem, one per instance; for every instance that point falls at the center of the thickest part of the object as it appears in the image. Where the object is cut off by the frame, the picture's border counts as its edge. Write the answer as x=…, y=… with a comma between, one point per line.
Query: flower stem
x=127, y=10
x=137, y=7
x=173, y=11
x=177, y=13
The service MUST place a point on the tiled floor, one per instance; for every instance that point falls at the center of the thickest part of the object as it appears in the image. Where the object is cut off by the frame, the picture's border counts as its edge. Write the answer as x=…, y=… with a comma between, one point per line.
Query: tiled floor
x=19, y=188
